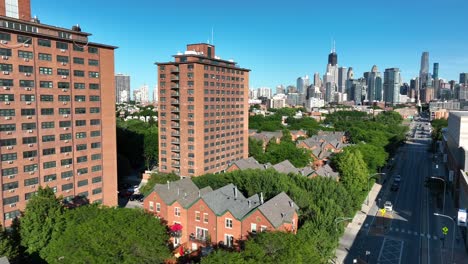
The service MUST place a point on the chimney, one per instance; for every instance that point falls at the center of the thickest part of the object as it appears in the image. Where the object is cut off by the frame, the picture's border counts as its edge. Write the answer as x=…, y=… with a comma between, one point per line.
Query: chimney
x=168, y=185
x=235, y=192
x=248, y=201
x=291, y=203
x=199, y=194
x=178, y=191
x=282, y=215
x=261, y=198
x=185, y=195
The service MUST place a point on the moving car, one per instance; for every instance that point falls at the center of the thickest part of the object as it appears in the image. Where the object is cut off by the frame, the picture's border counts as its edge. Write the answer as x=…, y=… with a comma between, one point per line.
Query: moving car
x=388, y=206
x=137, y=197
x=395, y=187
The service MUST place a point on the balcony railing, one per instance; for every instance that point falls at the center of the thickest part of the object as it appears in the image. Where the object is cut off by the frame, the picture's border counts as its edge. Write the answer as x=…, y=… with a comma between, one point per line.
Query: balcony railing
x=175, y=94
x=176, y=110
x=175, y=78
x=201, y=240
x=175, y=117
x=175, y=156
x=175, y=125
x=176, y=86
x=175, y=69
x=175, y=141
x=175, y=102
x=175, y=134
x=175, y=149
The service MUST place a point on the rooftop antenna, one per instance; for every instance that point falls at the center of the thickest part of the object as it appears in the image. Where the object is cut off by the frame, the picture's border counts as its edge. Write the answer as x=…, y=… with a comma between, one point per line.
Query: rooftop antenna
x=334, y=49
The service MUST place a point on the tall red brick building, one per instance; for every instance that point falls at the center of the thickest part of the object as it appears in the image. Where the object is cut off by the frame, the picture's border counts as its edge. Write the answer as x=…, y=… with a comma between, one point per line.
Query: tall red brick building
x=57, y=112
x=203, y=112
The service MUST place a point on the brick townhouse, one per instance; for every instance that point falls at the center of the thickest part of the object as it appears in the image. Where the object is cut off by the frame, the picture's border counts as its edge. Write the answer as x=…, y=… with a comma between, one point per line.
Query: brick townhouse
x=223, y=216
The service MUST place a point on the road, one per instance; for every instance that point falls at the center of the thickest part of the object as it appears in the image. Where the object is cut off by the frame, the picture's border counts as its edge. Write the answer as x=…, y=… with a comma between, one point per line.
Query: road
x=410, y=233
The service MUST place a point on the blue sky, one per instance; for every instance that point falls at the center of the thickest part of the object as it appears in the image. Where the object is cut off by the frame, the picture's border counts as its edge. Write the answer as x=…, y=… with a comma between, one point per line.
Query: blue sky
x=278, y=40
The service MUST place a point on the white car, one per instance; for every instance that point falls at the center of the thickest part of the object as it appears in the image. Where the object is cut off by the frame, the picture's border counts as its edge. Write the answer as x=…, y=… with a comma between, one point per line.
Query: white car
x=388, y=206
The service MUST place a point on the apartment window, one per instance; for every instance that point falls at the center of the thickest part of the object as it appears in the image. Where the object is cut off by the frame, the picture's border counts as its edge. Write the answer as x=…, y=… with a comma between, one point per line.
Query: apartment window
x=79, y=86
x=95, y=156
x=80, y=98
x=97, y=191
x=47, y=98
x=78, y=73
x=47, y=125
x=10, y=186
x=67, y=186
x=45, y=70
x=44, y=43
x=7, y=112
x=6, y=97
x=82, y=171
x=62, y=59
x=45, y=84
x=23, y=54
x=49, y=151
x=29, y=154
x=94, y=86
x=28, y=126
x=47, y=111
x=64, y=111
x=6, y=67
x=48, y=138
x=94, y=98
x=80, y=135
x=93, y=62
x=29, y=168
x=94, y=110
x=177, y=211
x=62, y=45
x=50, y=177
x=77, y=60
x=78, y=48
x=28, y=196
x=65, y=124
x=10, y=200
x=26, y=69
x=26, y=83
x=82, y=183
x=66, y=174
x=10, y=171
x=93, y=74
x=63, y=72
x=8, y=127
x=45, y=57
x=96, y=168
x=97, y=179
x=81, y=147
x=27, y=98
x=64, y=98
x=12, y=214
x=66, y=149
x=9, y=156
x=65, y=162
x=80, y=110
x=197, y=216
x=96, y=145
x=8, y=142
x=96, y=133
x=81, y=159
x=50, y=164
x=66, y=136
x=80, y=122
x=5, y=36
x=228, y=223
x=93, y=50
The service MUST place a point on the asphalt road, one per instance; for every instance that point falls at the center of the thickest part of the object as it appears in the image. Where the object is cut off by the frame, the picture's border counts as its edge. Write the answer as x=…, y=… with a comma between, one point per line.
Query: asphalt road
x=410, y=233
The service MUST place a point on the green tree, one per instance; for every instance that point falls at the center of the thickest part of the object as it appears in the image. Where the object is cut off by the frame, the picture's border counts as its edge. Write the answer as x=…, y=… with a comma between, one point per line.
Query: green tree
x=7, y=247
x=109, y=235
x=287, y=150
x=150, y=149
x=438, y=124
x=353, y=170
x=374, y=156
x=157, y=178
x=42, y=216
x=256, y=148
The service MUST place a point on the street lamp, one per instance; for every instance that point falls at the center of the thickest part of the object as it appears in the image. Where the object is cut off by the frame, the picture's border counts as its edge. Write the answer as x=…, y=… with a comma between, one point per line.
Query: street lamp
x=443, y=205
x=453, y=236
x=341, y=219
x=371, y=176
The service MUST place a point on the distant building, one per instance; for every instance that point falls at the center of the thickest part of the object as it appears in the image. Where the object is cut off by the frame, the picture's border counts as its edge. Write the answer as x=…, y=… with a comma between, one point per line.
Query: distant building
x=264, y=92
x=317, y=80
x=293, y=99
x=342, y=78
x=278, y=101
x=302, y=84
x=464, y=78
x=155, y=94
x=280, y=89
x=392, y=83
x=356, y=90
x=122, y=83
x=374, y=86
x=314, y=102
x=424, y=71
x=435, y=74
x=253, y=94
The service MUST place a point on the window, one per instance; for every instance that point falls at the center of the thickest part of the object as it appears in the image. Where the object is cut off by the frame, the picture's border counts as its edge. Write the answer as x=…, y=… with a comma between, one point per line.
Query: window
x=97, y=179
x=151, y=206
x=10, y=171
x=65, y=162
x=94, y=110
x=93, y=50
x=94, y=86
x=44, y=43
x=63, y=72
x=48, y=138
x=80, y=98
x=47, y=98
x=263, y=228
x=5, y=36
x=81, y=147
x=49, y=151
x=205, y=218
x=201, y=233
x=64, y=111
x=45, y=84
x=47, y=125
x=7, y=112
x=80, y=122
x=93, y=62
x=94, y=98
x=27, y=98
x=10, y=186
x=177, y=211
x=82, y=183
x=78, y=73
x=80, y=110
x=80, y=135
x=62, y=45
x=44, y=70
x=62, y=59
x=28, y=196
x=197, y=216
x=96, y=168
x=96, y=133
x=66, y=136
x=29, y=168
x=64, y=123
x=96, y=145
x=95, y=156
x=66, y=174
x=67, y=186
x=23, y=54
x=93, y=74
x=7, y=97
x=50, y=177
x=228, y=223
x=10, y=200
x=8, y=142
x=97, y=191
x=228, y=240
x=64, y=98
x=8, y=127
x=50, y=164
x=29, y=154
x=253, y=228
x=6, y=67
x=158, y=207
x=81, y=159
x=78, y=60
x=28, y=126
x=26, y=83
x=47, y=111
x=80, y=86
x=45, y=56
x=9, y=156
x=25, y=69
x=12, y=215
x=78, y=48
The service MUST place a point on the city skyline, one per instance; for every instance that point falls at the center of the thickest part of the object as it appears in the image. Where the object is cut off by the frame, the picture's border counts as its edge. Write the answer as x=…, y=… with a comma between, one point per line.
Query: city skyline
x=267, y=42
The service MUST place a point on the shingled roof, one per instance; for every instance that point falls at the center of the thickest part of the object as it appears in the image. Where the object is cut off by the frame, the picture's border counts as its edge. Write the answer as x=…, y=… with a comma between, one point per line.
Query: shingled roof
x=229, y=198
x=279, y=209
x=249, y=163
x=327, y=171
x=285, y=167
x=183, y=191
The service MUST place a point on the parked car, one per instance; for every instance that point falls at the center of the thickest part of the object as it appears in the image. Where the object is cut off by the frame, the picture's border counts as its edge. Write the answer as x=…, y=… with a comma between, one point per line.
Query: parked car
x=395, y=187
x=388, y=206
x=397, y=178
x=137, y=197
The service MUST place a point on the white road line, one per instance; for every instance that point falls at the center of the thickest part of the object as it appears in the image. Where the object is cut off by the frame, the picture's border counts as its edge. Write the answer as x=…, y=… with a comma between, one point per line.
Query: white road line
x=381, y=249
x=401, y=251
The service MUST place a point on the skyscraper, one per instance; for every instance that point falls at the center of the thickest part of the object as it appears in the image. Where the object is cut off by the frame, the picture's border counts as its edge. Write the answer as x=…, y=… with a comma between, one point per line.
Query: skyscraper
x=122, y=83
x=392, y=84
x=58, y=112
x=424, y=71
x=203, y=108
x=317, y=80
x=350, y=73
x=342, y=78
x=435, y=73
x=464, y=78
x=155, y=94
x=333, y=57
x=264, y=92
x=280, y=89
x=374, y=85
x=300, y=84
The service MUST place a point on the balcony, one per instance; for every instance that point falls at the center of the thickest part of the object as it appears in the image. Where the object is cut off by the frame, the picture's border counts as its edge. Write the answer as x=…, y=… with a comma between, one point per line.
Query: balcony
x=175, y=117
x=175, y=110
x=175, y=141
x=176, y=157
x=175, y=102
x=175, y=134
x=199, y=239
x=175, y=94
x=175, y=78
x=175, y=125
x=175, y=86
x=175, y=165
x=175, y=70
x=175, y=149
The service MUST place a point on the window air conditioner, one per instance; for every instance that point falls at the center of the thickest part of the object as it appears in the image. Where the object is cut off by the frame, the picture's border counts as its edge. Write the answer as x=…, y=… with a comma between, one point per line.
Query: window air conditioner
x=64, y=76
x=11, y=176
x=7, y=117
x=6, y=72
x=10, y=162
x=26, y=59
x=30, y=145
x=28, y=103
x=30, y=131
x=10, y=147
x=12, y=205
x=7, y=103
x=31, y=159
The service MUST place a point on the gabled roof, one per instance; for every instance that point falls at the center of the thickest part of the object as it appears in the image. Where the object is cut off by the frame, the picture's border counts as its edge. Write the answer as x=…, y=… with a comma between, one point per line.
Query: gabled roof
x=183, y=191
x=229, y=198
x=249, y=163
x=327, y=171
x=285, y=167
x=267, y=136
x=279, y=209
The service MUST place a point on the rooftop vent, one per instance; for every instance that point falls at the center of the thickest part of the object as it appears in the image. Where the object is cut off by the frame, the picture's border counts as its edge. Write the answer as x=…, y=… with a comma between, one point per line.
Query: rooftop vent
x=35, y=20
x=76, y=28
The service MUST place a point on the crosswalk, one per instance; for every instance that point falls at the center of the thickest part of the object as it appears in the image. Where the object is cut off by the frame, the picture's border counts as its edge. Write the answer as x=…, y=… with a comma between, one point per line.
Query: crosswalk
x=409, y=232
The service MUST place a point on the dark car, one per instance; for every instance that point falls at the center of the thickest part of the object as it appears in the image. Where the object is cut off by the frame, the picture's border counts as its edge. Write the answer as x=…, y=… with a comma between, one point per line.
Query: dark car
x=395, y=187
x=137, y=197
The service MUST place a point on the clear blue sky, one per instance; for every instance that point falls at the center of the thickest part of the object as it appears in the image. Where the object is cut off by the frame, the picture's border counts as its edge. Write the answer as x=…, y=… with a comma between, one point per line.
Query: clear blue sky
x=278, y=40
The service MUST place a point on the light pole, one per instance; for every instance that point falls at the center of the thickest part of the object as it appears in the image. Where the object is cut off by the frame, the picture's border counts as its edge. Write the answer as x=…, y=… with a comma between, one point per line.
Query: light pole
x=453, y=236
x=368, y=187
x=341, y=219
x=443, y=205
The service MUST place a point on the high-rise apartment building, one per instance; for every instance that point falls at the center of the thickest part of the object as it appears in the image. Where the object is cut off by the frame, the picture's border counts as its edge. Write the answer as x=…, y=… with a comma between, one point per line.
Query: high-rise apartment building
x=374, y=85
x=392, y=84
x=203, y=112
x=424, y=77
x=57, y=112
x=122, y=83
x=264, y=92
